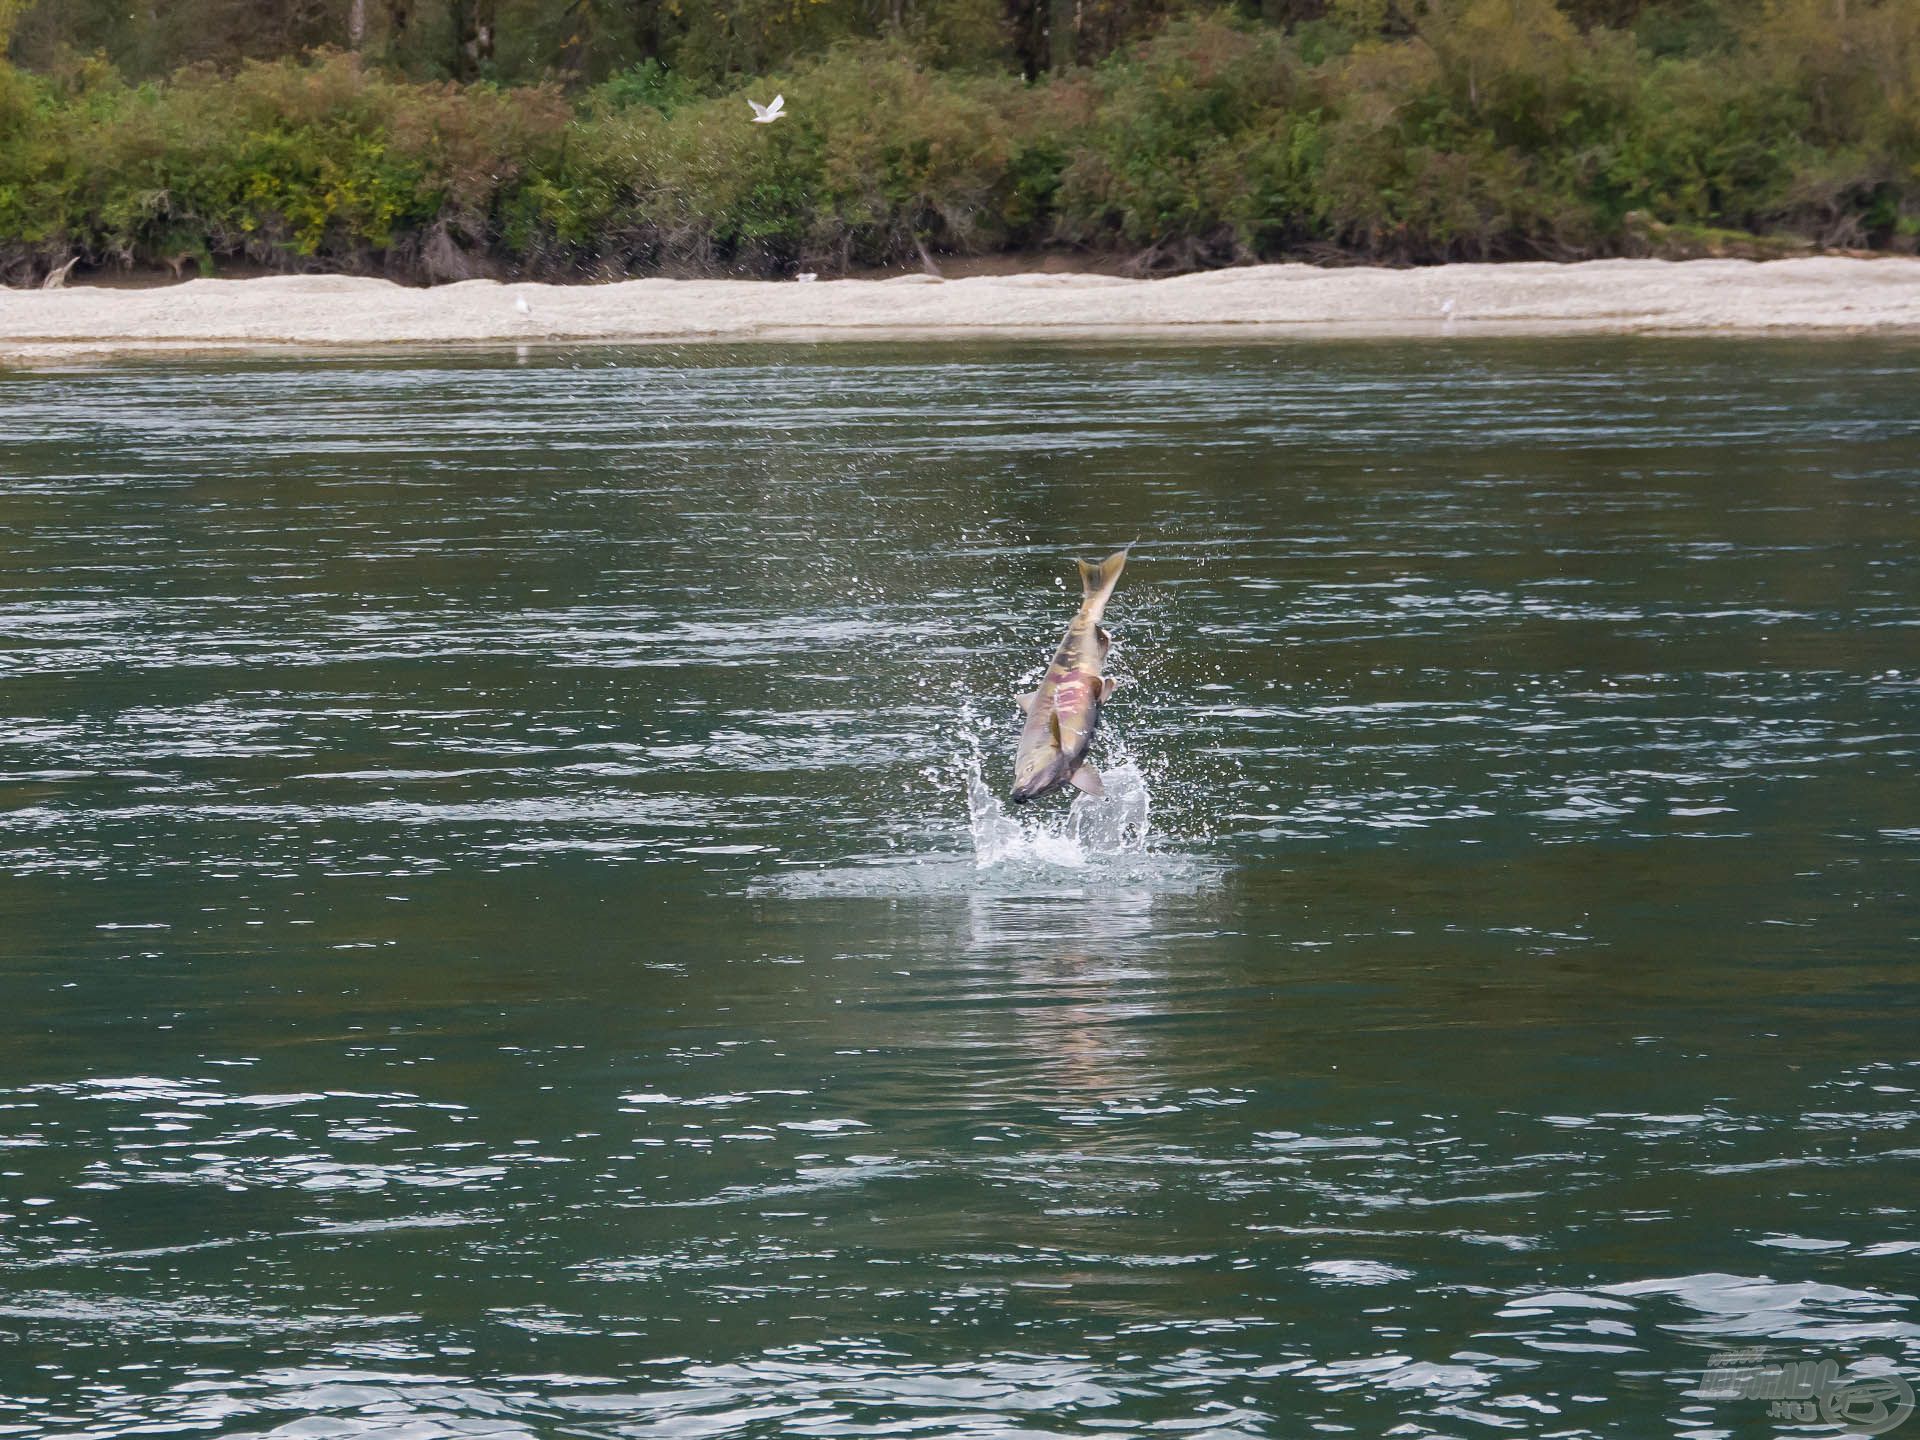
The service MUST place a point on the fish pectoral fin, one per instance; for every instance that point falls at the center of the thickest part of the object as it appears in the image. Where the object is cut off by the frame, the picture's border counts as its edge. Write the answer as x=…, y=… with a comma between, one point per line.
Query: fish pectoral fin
x=1053, y=720
x=1088, y=779
x=1107, y=687
x=1026, y=702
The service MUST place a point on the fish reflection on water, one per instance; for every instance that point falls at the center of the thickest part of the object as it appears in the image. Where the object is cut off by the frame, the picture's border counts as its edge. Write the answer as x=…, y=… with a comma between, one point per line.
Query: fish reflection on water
x=511, y=922
x=1081, y=996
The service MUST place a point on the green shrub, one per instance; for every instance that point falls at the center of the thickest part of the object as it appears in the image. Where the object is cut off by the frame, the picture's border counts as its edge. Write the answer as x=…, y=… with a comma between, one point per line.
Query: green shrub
x=1404, y=132
x=1204, y=143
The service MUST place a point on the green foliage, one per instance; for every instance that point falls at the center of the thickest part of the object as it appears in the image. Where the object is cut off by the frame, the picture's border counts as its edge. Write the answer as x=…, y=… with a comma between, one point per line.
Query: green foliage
x=648, y=83
x=1382, y=129
x=1201, y=145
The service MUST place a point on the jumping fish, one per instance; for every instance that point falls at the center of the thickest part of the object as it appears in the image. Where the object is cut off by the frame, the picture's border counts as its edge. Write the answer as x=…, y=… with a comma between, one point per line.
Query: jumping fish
x=1061, y=714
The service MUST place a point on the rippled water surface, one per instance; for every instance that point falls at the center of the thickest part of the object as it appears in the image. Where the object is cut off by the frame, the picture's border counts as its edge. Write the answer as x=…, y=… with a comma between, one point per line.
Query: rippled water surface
x=507, y=925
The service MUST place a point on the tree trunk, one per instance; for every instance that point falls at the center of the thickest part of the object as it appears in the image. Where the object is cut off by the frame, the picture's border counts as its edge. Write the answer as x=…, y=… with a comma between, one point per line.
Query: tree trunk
x=483, y=11
x=465, y=43
x=1026, y=22
x=303, y=23
x=10, y=11
x=1062, y=32
x=1291, y=12
x=646, y=28
x=356, y=24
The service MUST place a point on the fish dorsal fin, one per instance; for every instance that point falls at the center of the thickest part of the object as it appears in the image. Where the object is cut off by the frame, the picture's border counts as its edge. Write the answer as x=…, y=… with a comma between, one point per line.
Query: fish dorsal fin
x=1025, y=702
x=1086, y=778
x=1106, y=640
x=1107, y=687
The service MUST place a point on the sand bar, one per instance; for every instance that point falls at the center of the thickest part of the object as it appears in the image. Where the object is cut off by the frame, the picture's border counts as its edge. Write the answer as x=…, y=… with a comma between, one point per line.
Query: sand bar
x=1823, y=294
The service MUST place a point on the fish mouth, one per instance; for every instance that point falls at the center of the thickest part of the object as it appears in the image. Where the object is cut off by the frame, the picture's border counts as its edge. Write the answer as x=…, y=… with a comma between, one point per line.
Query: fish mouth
x=1028, y=790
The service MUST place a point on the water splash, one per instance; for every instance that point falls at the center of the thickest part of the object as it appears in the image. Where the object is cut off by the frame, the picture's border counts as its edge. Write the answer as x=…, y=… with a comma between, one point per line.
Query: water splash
x=1104, y=846
x=1091, y=829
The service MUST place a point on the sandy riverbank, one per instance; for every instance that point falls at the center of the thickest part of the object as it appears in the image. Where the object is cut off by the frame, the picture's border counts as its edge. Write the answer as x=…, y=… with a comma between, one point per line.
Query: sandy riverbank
x=1604, y=296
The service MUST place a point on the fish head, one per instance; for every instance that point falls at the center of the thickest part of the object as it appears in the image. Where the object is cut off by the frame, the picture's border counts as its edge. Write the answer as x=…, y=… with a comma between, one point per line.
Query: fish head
x=1038, y=771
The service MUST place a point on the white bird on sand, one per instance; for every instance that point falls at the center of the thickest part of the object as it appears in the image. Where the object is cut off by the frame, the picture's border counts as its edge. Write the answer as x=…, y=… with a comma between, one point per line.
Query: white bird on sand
x=806, y=276
x=520, y=304
x=1446, y=307
x=767, y=114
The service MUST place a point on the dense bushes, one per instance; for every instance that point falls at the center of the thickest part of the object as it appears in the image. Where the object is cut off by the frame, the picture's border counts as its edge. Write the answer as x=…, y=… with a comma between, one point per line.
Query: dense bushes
x=1496, y=128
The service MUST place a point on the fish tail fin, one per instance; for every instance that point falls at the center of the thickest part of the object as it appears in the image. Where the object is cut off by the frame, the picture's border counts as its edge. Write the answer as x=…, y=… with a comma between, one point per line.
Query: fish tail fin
x=1100, y=579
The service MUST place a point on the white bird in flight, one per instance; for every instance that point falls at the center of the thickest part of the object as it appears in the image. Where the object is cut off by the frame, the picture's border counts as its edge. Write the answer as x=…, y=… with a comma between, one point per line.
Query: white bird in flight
x=767, y=114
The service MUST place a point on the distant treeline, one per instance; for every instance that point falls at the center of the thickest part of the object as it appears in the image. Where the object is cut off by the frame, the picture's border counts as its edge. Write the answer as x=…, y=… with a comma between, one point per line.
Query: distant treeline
x=562, y=138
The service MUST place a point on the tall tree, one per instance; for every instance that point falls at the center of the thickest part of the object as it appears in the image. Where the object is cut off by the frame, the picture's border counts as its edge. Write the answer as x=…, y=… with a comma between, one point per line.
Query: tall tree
x=1063, y=33
x=472, y=36
x=1027, y=25
x=646, y=27
x=483, y=20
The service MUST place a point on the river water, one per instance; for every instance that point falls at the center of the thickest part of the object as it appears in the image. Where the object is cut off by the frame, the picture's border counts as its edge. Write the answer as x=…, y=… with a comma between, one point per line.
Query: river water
x=507, y=926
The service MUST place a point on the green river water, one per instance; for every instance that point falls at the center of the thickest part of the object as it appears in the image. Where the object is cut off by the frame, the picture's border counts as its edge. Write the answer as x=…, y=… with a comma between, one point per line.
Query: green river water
x=508, y=926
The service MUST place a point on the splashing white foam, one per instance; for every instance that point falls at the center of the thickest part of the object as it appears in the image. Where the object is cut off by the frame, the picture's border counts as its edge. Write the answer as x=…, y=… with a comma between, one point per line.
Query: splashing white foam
x=1106, y=846
x=1090, y=830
